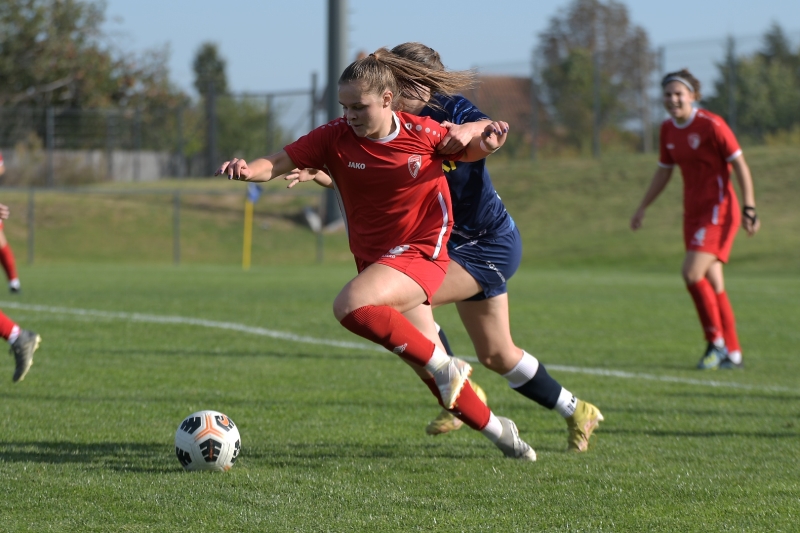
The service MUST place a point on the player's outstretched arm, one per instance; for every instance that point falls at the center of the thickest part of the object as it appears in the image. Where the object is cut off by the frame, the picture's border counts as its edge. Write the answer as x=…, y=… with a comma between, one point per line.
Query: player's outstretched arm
x=308, y=174
x=750, y=221
x=489, y=141
x=460, y=135
x=261, y=169
x=660, y=180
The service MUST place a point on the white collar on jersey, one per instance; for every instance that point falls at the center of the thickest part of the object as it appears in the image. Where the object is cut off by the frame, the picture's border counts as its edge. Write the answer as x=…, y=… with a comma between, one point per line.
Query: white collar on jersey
x=392, y=135
x=688, y=122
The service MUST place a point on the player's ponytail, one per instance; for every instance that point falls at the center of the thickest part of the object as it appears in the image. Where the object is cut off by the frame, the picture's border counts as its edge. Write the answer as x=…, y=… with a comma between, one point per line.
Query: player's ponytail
x=382, y=70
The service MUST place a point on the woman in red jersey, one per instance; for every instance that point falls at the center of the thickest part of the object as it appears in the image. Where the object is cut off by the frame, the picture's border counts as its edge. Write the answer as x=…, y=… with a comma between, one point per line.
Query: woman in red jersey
x=705, y=149
x=395, y=200
x=6, y=254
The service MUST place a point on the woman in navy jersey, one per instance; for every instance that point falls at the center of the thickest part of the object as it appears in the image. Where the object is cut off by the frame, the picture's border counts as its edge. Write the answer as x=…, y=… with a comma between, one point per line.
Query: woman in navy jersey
x=705, y=149
x=390, y=186
x=485, y=251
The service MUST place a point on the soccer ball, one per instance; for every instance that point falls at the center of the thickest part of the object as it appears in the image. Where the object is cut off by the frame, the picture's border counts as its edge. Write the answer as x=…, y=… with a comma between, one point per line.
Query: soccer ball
x=207, y=440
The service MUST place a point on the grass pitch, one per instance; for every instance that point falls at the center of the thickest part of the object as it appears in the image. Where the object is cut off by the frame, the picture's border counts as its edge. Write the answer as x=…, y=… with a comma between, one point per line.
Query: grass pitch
x=333, y=437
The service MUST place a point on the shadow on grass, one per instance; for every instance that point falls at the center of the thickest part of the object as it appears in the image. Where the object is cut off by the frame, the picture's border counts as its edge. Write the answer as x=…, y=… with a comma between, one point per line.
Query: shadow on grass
x=158, y=458
x=119, y=456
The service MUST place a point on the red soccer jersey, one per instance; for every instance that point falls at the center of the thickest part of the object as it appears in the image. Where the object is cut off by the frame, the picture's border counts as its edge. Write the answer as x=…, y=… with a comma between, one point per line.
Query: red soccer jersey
x=703, y=148
x=392, y=191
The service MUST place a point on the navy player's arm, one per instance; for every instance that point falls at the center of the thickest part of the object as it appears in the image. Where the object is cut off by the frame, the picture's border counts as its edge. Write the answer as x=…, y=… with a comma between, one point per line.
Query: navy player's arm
x=463, y=120
x=490, y=140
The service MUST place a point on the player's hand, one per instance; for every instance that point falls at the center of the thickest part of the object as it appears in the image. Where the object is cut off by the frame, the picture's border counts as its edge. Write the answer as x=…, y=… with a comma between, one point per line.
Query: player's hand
x=751, y=225
x=236, y=169
x=494, y=135
x=299, y=176
x=5, y=212
x=636, y=219
x=457, y=138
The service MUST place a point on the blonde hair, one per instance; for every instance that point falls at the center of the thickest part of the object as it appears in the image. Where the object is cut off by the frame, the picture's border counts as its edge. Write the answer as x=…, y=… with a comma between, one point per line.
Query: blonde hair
x=382, y=70
x=420, y=53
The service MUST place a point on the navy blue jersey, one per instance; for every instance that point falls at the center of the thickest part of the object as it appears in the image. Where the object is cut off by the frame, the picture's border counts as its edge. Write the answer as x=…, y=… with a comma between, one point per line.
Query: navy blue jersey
x=478, y=211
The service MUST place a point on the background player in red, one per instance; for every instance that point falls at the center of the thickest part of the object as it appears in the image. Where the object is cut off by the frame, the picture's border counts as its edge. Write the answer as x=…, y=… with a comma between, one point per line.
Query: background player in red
x=6, y=255
x=394, y=197
x=23, y=342
x=704, y=148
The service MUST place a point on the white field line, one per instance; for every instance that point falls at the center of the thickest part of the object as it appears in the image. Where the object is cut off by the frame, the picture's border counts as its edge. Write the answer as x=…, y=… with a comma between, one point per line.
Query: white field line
x=282, y=335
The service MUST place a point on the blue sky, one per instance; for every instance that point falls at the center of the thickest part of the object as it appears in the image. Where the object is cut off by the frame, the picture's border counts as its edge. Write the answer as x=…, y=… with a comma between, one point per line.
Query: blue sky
x=276, y=45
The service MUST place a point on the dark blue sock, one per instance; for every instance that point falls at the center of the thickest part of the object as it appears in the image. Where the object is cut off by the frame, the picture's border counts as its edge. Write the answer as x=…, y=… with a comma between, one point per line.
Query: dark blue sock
x=446, y=344
x=542, y=388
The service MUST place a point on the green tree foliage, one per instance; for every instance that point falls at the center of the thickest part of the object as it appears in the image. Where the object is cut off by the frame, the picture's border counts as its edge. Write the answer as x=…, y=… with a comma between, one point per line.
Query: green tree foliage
x=53, y=52
x=209, y=71
x=767, y=88
x=584, y=34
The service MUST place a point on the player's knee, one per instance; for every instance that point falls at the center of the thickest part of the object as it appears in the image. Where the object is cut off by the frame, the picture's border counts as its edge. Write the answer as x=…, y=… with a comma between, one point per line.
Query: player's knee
x=691, y=275
x=493, y=359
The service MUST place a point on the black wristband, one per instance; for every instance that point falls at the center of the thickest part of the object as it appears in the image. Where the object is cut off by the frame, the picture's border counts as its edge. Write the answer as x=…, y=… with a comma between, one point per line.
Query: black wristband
x=749, y=212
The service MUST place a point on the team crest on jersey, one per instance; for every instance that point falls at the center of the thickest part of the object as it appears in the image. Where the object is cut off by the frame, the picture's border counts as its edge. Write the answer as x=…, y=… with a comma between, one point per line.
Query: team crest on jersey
x=694, y=140
x=414, y=164
x=699, y=237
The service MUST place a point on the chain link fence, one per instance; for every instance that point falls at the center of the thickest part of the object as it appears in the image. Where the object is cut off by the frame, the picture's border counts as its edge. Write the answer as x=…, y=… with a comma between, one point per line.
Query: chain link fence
x=62, y=147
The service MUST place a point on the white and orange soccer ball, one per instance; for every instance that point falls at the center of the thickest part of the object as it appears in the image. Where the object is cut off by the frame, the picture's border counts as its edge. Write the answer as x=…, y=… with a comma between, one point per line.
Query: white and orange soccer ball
x=207, y=440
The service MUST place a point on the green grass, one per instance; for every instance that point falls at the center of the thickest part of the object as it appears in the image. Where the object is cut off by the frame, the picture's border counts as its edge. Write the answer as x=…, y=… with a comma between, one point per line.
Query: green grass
x=333, y=438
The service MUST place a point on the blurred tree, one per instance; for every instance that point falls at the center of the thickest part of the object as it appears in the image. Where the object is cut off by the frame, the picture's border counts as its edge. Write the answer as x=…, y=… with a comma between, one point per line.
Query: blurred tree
x=53, y=52
x=584, y=35
x=767, y=88
x=209, y=70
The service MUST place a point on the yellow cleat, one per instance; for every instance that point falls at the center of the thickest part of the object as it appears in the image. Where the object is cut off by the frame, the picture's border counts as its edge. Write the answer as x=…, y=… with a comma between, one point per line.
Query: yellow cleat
x=445, y=422
x=581, y=425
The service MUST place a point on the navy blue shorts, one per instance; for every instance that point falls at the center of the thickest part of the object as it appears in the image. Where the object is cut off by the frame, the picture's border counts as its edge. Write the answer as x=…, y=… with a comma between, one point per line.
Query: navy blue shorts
x=491, y=262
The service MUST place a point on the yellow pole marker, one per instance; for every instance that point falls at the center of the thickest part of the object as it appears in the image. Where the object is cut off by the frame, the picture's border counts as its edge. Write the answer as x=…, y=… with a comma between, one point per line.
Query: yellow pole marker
x=247, y=246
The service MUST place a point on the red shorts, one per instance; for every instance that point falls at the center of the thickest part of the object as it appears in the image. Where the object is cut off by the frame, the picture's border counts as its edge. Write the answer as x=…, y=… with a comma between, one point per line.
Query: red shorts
x=428, y=273
x=712, y=238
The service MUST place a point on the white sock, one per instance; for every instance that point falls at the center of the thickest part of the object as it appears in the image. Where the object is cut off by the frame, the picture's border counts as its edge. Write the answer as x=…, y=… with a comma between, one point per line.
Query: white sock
x=735, y=356
x=523, y=372
x=494, y=429
x=566, y=403
x=437, y=360
x=14, y=334
x=719, y=342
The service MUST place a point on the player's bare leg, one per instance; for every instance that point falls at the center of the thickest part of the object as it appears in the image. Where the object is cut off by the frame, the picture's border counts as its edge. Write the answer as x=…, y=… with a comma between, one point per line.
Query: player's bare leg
x=487, y=322
x=371, y=306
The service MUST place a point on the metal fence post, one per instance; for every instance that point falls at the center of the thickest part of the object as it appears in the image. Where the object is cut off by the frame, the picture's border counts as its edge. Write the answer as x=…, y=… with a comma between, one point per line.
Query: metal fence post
x=51, y=141
x=181, y=167
x=534, y=106
x=31, y=223
x=211, y=119
x=176, y=227
x=731, y=83
x=137, y=139
x=110, y=145
x=270, y=141
x=596, y=94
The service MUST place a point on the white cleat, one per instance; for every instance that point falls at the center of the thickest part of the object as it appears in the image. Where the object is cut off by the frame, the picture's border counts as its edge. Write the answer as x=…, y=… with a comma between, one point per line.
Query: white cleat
x=451, y=379
x=511, y=445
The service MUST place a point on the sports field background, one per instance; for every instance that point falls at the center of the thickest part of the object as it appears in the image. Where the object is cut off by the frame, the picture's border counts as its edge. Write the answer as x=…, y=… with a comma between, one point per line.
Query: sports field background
x=333, y=437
